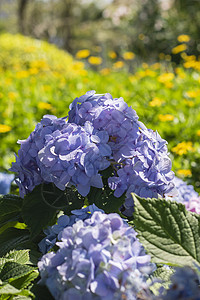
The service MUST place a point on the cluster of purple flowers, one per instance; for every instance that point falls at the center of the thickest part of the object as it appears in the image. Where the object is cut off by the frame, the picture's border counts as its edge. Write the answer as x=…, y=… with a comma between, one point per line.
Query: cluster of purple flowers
x=100, y=131
x=139, y=155
x=27, y=165
x=98, y=258
x=186, y=195
x=62, y=153
x=53, y=233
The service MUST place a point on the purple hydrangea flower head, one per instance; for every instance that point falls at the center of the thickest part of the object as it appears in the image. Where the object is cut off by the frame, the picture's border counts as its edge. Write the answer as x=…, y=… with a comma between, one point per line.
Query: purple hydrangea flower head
x=53, y=233
x=147, y=171
x=97, y=259
x=74, y=156
x=193, y=205
x=186, y=192
x=62, y=153
x=139, y=155
x=5, y=183
x=186, y=195
x=27, y=165
x=105, y=113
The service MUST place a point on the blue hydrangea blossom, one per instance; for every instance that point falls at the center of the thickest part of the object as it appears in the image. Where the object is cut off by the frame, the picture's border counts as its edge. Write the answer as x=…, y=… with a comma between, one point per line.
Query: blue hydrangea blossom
x=140, y=155
x=97, y=259
x=63, y=153
x=27, y=165
x=186, y=195
x=53, y=233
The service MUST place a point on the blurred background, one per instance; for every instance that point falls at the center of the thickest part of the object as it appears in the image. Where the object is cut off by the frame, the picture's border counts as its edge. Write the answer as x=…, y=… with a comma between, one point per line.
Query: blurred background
x=146, y=51
x=149, y=28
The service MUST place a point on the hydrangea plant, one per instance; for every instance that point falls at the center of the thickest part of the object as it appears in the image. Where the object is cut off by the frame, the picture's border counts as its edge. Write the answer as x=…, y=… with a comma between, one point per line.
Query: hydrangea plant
x=79, y=177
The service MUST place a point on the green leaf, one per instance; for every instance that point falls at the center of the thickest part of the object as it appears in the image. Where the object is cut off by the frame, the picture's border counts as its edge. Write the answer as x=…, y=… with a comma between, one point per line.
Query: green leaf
x=8, y=289
x=13, y=238
x=41, y=205
x=19, y=256
x=25, y=281
x=14, y=224
x=21, y=297
x=163, y=274
x=14, y=270
x=169, y=232
x=10, y=207
x=36, y=213
x=104, y=198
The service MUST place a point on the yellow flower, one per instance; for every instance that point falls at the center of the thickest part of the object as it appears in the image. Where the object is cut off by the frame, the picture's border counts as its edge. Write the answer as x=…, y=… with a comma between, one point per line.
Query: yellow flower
x=166, y=77
x=165, y=118
x=198, y=132
x=105, y=71
x=179, y=48
x=95, y=60
x=128, y=55
x=82, y=53
x=189, y=103
x=44, y=105
x=33, y=71
x=190, y=64
x=145, y=73
x=183, y=38
x=189, y=57
x=118, y=65
x=78, y=65
x=112, y=54
x=4, y=128
x=22, y=74
x=12, y=95
x=193, y=94
x=168, y=84
x=183, y=148
x=184, y=172
x=180, y=73
x=156, y=101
